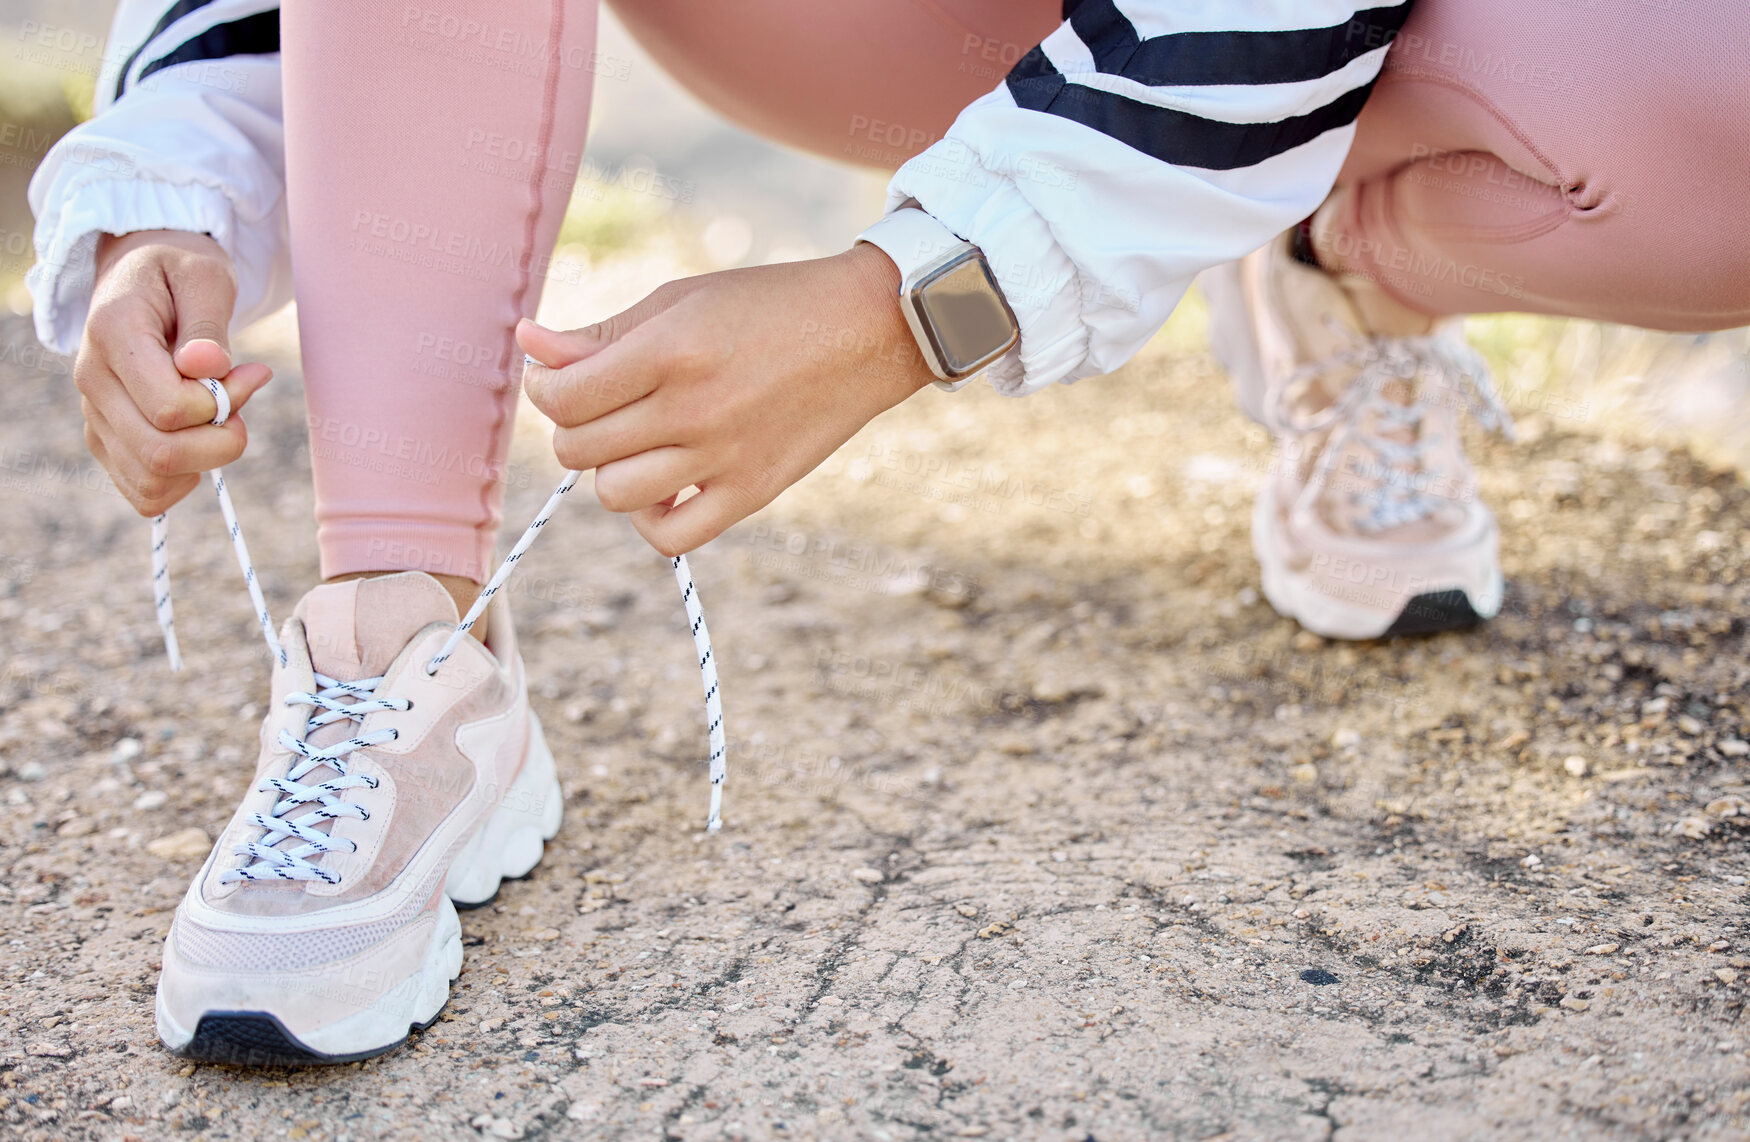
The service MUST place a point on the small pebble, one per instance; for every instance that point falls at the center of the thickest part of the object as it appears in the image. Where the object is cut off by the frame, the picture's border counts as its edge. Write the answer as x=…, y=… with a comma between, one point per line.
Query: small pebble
x=77, y=827
x=151, y=799
x=191, y=843
x=868, y=875
x=1576, y=766
x=32, y=771
x=1726, y=976
x=496, y=1127
x=1602, y=949
x=1305, y=773
x=1573, y=1004
x=1346, y=738
x=1695, y=828
x=966, y=910
x=1733, y=747
x=127, y=750
x=1051, y=691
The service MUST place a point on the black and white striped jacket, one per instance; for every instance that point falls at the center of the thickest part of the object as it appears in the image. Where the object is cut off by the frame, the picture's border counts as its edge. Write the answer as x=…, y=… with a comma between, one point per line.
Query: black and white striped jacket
x=1143, y=142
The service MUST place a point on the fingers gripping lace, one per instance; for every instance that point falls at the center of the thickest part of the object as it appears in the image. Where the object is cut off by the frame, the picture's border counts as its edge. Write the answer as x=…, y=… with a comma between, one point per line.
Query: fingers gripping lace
x=274, y=863
x=161, y=554
x=716, y=766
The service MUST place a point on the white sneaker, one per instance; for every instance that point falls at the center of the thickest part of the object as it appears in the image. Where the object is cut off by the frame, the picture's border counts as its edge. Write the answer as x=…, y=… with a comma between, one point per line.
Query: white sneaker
x=1368, y=523
x=322, y=928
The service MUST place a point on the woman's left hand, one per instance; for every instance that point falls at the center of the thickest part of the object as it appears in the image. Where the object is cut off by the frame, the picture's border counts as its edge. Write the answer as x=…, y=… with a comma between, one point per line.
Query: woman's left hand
x=739, y=383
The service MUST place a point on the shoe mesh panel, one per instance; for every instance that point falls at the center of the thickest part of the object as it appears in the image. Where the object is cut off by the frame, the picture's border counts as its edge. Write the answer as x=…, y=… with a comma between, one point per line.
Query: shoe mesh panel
x=292, y=951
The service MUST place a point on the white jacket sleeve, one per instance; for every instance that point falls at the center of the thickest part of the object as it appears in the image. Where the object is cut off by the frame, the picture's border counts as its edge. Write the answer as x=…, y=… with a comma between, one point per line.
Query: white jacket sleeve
x=1143, y=142
x=187, y=136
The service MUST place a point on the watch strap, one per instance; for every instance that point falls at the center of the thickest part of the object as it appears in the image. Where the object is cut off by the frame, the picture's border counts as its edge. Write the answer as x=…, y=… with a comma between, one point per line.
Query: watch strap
x=913, y=239
x=916, y=240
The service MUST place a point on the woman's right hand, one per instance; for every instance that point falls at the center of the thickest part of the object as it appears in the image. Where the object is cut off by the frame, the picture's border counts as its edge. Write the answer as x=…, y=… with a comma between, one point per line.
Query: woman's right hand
x=159, y=315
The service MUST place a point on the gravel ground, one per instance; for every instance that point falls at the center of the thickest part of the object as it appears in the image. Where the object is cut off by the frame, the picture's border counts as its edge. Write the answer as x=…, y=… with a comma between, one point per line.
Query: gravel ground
x=1039, y=823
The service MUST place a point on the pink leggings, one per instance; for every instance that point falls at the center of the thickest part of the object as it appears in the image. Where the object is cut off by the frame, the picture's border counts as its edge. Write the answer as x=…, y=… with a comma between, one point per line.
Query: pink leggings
x=1586, y=160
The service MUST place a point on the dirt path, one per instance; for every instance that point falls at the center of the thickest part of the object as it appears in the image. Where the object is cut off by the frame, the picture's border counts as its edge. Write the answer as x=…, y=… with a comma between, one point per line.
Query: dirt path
x=1039, y=824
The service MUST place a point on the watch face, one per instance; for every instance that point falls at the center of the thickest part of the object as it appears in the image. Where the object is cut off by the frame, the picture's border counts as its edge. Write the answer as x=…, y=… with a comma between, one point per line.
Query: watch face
x=966, y=315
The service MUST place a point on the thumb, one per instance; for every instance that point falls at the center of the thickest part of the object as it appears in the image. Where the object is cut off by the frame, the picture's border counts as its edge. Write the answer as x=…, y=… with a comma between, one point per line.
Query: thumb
x=203, y=302
x=244, y=382
x=556, y=349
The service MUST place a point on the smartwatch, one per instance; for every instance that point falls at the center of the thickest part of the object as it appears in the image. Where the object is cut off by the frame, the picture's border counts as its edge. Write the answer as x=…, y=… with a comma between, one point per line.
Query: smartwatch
x=950, y=299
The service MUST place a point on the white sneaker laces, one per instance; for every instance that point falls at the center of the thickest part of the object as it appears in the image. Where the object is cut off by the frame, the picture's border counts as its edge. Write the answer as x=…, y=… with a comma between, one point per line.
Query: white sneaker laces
x=272, y=863
x=293, y=863
x=1405, y=480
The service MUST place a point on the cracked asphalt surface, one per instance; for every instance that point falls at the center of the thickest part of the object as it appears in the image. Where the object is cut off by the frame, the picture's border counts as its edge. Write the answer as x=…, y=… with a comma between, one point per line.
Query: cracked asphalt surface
x=1038, y=823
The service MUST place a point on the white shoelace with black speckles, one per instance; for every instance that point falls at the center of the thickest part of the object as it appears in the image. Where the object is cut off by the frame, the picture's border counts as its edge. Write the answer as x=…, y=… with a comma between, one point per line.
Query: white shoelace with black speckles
x=283, y=862
x=325, y=797
x=1401, y=478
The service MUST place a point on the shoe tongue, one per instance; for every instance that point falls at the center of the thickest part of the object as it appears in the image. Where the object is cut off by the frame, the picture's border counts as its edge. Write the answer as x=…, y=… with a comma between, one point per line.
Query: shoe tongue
x=355, y=629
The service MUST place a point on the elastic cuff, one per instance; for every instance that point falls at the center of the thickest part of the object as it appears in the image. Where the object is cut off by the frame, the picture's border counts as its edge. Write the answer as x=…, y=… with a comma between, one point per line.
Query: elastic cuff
x=65, y=272
x=1041, y=283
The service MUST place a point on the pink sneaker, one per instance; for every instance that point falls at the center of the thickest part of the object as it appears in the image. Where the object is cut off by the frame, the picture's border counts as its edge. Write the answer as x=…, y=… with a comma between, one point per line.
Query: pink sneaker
x=322, y=926
x=1368, y=523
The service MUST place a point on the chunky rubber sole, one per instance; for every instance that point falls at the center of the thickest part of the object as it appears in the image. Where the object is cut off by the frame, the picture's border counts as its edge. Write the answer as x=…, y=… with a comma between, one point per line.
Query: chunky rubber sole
x=509, y=845
x=1296, y=597
x=259, y=1039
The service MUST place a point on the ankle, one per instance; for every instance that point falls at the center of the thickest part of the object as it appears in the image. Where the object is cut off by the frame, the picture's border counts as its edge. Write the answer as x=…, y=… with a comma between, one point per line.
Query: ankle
x=462, y=591
x=1321, y=238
